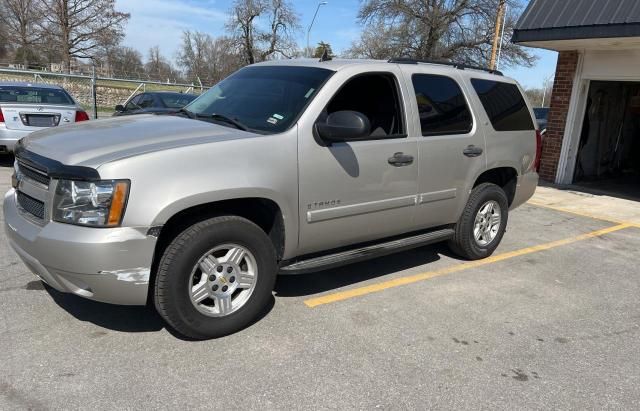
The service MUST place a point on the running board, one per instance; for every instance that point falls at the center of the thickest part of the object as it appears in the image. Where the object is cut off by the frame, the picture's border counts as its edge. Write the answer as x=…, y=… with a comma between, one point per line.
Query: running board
x=364, y=253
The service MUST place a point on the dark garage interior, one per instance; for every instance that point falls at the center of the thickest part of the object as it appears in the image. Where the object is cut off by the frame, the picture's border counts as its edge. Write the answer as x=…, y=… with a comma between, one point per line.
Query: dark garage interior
x=609, y=151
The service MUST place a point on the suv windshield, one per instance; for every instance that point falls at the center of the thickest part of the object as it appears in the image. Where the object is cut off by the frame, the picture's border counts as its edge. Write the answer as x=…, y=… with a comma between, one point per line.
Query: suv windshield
x=265, y=99
x=17, y=94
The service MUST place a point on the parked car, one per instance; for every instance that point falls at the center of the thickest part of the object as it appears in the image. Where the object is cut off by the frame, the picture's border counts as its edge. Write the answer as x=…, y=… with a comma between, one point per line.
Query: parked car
x=158, y=102
x=289, y=167
x=542, y=114
x=28, y=107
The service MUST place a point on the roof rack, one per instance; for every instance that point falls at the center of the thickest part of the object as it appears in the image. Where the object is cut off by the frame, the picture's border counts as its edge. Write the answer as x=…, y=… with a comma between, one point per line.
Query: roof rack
x=459, y=66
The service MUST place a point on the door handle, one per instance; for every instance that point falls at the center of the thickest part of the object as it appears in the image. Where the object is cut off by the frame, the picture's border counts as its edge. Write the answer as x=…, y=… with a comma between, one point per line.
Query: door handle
x=400, y=160
x=472, y=151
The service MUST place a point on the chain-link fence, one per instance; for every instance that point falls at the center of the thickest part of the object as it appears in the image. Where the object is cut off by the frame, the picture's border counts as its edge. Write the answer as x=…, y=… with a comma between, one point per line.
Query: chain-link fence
x=97, y=95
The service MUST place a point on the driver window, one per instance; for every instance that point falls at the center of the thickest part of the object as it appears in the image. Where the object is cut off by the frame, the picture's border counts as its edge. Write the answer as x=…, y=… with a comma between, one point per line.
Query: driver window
x=146, y=101
x=376, y=96
x=133, y=104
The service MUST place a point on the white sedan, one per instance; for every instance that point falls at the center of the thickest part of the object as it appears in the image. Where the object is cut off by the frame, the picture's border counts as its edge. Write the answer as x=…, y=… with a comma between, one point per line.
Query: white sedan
x=27, y=107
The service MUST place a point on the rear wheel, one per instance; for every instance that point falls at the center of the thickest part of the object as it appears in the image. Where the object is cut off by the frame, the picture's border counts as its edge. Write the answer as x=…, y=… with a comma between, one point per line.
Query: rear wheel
x=215, y=277
x=482, y=224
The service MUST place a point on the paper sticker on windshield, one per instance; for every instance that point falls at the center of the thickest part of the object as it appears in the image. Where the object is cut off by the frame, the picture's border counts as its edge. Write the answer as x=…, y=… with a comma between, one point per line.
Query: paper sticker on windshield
x=272, y=120
x=278, y=116
x=310, y=92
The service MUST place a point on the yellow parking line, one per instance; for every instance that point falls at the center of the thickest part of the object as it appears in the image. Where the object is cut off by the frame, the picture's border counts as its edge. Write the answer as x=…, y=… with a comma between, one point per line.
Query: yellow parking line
x=397, y=282
x=581, y=213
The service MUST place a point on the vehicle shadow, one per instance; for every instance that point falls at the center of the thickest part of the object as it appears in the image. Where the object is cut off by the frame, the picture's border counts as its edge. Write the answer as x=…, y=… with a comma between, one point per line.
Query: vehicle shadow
x=130, y=319
x=322, y=281
x=113, y=317
x=138, y=319
x=6, y=160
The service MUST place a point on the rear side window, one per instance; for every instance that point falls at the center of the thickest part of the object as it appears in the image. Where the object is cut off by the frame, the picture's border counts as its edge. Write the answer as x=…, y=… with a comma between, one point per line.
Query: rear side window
x=441, y=105
x=504, y=105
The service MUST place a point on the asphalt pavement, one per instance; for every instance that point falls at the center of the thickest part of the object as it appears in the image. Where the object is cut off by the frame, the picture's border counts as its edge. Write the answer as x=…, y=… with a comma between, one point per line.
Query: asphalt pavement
x=551, y=321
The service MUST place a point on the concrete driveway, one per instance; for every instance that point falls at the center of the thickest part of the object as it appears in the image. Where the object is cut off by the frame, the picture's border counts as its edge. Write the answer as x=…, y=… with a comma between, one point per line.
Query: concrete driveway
x=551, y=321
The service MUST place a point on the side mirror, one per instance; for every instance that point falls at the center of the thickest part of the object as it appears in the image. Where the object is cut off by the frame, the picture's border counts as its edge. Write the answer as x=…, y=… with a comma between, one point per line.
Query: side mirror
x=120, y=108
x=344, y=125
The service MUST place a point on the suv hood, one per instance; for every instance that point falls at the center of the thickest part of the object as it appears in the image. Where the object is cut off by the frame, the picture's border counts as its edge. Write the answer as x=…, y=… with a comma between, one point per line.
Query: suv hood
x=93, y=143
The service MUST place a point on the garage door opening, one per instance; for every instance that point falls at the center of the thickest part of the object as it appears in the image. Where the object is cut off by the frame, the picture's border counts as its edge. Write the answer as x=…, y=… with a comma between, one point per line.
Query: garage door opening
x=609, y=152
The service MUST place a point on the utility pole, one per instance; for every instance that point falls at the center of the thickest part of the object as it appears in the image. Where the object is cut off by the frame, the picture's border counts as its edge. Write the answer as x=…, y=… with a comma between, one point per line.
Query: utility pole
x=322, y=3
x=496, y=34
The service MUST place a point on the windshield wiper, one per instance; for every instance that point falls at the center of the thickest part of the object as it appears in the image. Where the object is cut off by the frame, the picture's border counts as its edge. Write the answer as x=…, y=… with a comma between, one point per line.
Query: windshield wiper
x=226, y=119
x=187, y=113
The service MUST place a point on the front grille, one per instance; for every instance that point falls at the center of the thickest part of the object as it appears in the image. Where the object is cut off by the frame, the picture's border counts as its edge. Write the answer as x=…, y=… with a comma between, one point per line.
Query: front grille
x=31, y=205
x=33, y=174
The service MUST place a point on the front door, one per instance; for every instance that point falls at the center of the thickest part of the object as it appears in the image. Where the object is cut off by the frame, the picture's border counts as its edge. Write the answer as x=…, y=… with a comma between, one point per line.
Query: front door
x=356, y=191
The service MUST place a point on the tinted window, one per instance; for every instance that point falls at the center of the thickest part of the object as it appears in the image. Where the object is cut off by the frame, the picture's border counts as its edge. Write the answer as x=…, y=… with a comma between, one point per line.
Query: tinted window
x=441, y=105
x=133, y=103
x=17, y=94
x=176, y=100
x=266, y=99
x=504, y=105
x=146, y=101
x=375, y=96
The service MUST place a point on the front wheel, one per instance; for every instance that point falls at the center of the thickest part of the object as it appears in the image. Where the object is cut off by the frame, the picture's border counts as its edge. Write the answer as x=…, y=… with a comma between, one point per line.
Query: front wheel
x=482, y=224
x=215, y=277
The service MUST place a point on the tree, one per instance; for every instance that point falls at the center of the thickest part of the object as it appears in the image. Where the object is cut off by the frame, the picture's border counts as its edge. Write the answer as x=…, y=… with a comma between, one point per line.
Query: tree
x=158, y=67
x=208, y=59
x=319, y=51
x=264, y=28
x=81, y=27
x=125, y=62
x=20, y=21
x=455, y=30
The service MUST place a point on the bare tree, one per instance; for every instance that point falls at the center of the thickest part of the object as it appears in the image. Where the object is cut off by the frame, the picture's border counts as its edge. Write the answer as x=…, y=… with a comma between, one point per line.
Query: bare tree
x=125, y=62
x=457, y=30
x=158, y=67
x=81, y=27
x=264, y=28
x=20, y=21
x=208, y=59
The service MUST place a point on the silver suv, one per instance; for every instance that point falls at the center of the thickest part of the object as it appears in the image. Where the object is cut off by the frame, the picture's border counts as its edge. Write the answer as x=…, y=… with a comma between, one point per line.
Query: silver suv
x=284, y=167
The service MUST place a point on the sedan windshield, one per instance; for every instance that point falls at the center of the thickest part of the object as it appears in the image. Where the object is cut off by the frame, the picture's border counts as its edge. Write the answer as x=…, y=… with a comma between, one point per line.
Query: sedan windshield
x=35, y=95
x=264, y=99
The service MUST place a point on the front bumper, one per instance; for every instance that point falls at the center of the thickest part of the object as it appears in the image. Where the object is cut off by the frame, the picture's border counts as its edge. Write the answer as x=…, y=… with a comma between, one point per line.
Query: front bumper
x=111, y=265
x=9, y=138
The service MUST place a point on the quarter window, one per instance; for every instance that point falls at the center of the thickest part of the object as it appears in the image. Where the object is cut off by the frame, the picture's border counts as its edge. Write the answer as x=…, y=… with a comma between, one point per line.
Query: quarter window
x=504, y=105
x=441, y=105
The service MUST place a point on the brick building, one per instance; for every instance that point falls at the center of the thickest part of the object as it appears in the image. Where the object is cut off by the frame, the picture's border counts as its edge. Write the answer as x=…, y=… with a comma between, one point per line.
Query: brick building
x=593, y=131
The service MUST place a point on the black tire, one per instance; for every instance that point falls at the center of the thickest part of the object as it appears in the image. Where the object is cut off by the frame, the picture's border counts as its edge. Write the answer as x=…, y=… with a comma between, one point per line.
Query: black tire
x=463, y=242
x=171, y=287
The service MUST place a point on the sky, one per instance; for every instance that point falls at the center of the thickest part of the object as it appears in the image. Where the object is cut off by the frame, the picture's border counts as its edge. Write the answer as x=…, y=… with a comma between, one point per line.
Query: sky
x=161, y=23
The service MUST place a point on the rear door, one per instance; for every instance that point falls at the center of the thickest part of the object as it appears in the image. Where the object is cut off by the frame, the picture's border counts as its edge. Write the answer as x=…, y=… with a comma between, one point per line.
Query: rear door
x=450, y=143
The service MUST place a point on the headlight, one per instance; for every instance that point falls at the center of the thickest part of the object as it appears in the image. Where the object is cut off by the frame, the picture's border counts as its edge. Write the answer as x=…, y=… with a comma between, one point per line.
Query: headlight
x=96, y=204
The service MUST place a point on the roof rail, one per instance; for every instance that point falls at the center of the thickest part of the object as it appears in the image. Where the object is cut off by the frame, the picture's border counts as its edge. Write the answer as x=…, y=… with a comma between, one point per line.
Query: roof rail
x=459, y=66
